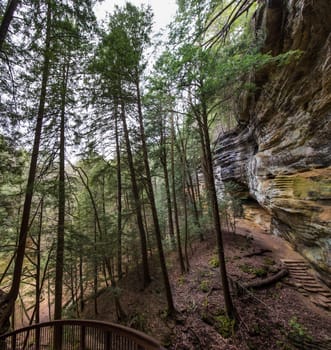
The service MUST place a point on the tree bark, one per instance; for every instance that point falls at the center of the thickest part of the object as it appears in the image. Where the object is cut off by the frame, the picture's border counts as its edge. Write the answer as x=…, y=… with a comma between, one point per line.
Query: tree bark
x=150, y=193
x=38, y=264
x=13, y=293
x=207, y=160
x=179, y=243
x=61, y=196
x=174, y=197
x=163, y=159
x=95, y=268
x=81, y=283
x=6, y=19
x=119, y=200
x=266, y=281
x=190, y=188
x=137, y=202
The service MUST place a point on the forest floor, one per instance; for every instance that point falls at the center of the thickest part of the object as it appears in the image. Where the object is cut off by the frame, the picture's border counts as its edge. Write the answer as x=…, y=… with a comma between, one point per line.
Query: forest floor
x=282, y=316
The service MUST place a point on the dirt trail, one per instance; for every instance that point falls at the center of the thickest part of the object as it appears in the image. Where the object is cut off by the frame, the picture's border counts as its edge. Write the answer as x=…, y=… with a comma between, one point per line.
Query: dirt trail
x=268, y=316
x=279, y=247
x=301, y=275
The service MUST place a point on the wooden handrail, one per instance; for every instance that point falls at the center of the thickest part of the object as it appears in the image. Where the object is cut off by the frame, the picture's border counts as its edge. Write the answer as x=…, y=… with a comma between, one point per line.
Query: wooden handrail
x=77, y=334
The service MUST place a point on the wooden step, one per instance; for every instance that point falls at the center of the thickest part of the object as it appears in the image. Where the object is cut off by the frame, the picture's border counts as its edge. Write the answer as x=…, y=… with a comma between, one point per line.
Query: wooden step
x=303, y=278
x=288, y=261
x=298, y=268
x=301, y=275
x=314, y=289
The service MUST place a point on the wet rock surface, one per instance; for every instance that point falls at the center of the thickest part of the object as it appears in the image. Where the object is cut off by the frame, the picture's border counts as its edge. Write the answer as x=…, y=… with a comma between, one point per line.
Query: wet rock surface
x=281, y=152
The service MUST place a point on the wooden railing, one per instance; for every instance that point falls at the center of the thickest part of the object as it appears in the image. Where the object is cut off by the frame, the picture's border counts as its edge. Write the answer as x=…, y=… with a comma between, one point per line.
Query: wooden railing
x=77, y=335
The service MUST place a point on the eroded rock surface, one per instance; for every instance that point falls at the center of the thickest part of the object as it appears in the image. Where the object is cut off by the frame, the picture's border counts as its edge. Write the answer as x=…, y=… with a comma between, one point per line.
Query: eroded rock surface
x=281, y=151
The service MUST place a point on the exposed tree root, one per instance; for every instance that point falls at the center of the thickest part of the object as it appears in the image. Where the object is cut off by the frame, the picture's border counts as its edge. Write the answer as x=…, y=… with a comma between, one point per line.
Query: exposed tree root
x=260, y=252
x=267, y=281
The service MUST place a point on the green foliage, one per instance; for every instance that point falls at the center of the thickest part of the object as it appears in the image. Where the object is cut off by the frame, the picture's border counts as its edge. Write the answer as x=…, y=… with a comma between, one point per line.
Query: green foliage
x=204, y=286
x=260, y=272
x=181, y=281
x=269, y=261
x=214, y=262
x=225, y=326
x=246, y=268
x=138, y=321
x=189, y=78
x=257, y=271
x=296, y=328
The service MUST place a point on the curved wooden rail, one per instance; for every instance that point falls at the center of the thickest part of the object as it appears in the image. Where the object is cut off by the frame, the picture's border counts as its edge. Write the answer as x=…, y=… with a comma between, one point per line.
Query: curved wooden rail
x=77, y=335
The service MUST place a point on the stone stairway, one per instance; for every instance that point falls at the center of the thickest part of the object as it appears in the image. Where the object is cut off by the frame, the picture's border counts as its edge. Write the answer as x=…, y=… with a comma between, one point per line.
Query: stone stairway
x=307, y=283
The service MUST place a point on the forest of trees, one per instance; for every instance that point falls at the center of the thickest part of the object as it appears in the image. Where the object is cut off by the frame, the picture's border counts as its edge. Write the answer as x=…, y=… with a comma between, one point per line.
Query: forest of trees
x=106, y=158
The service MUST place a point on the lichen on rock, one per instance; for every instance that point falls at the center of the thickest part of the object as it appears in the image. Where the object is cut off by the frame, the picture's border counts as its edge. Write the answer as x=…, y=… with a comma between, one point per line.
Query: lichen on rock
x=281, y=150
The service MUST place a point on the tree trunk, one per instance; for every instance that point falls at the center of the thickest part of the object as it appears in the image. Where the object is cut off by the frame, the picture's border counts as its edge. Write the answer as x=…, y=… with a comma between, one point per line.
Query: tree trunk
x=119, y=310
x=13, y=293
x=202, y=119
x=198, y=191
x=150, y=193
x=119, y=201
x=38, y=264
x=185, y=220
x=81, y=283
x=163, y=159
x=104, y=233
x=61, y=213
x=191, y=192
x=174, y=199
x=266, y=282
x=118, y=307
x=6, y=19
x=137, y=202
x=95, y=266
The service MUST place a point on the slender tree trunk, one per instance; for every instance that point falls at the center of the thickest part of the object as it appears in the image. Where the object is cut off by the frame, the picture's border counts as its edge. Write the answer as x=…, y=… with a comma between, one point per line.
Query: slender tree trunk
x=185, y=219
x=42, y=282
x=137, y=202
x=119, y=201
x=182, y=150
x=13, y=293
x=72, y=287
x=95, y=272
x=189, y=183
x=61, y=213
x=104, y=233
x=97, y=228
x=24, y=310
x=202, y=119
x=198, y=192
x=104, y=270
x=174, y=195
x=38, y=264
x=118, y=307
x=163, y=159
x=49, y=296
x=148, y=238
x=81, y=283
x=76, y=288
x=6, y=19
x=194, y=202
x=150, y=192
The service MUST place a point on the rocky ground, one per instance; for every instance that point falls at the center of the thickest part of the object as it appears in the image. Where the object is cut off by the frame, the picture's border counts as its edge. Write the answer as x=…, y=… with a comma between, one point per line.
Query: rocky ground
x=293, y=313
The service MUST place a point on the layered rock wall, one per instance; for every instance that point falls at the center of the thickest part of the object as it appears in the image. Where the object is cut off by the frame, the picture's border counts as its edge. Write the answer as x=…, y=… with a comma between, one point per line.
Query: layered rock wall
x=281, y=150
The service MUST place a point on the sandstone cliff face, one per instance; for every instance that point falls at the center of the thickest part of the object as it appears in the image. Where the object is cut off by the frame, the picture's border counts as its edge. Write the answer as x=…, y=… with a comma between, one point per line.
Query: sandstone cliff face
x=281, y=152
